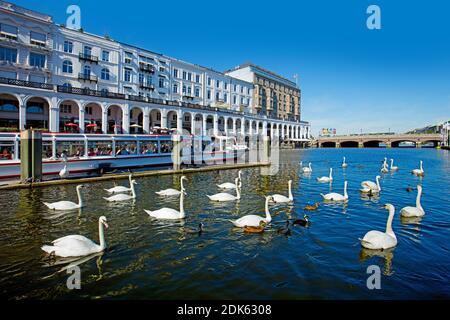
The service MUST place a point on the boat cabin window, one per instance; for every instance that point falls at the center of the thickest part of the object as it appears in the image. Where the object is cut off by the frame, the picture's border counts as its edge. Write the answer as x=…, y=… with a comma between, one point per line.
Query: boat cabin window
x=99, y=148
x=72, y=149
x=47, y=149
x=6, y=150
x=166, y=146
x=125, y=148
x=149, y=147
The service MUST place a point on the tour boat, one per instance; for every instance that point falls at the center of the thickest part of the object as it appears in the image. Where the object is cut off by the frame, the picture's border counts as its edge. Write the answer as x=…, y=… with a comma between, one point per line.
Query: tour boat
x=100, y=153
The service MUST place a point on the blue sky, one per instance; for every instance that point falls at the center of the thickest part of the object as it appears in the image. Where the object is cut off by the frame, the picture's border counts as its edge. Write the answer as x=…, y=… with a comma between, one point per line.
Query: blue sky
x=352, y=78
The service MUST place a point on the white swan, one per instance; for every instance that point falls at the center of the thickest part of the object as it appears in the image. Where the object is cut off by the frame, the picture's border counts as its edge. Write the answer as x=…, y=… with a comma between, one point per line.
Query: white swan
x=381, y=240
x=252, y=220
x=120, y=189
x=77, y=245
x=370, y=186
x=122, y=196
x=223, y=196
x=416, y=211
x=307, y=169
x=384, y=168
x=279, y=198
x=172, y=192
x=344, y=164
x=64, y=173
x=229, y=185
x=419, y=172
x=326, y=179
x=67, y=205
x=333, y=196
x=169, y=213
x=393, y=168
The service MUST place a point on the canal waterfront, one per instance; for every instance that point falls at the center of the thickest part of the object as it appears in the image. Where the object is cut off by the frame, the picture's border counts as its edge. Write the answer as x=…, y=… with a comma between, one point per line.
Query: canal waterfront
x=150, y=259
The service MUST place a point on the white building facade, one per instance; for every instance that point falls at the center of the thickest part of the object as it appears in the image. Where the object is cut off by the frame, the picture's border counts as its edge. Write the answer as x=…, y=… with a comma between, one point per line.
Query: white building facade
x=58, y=79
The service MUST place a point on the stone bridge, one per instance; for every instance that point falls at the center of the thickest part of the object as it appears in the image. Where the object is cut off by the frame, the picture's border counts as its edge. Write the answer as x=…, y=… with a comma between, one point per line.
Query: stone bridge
x=374, y=140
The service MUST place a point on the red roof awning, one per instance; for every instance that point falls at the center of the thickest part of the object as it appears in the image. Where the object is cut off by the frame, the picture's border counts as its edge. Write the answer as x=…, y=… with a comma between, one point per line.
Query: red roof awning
x=91, y=125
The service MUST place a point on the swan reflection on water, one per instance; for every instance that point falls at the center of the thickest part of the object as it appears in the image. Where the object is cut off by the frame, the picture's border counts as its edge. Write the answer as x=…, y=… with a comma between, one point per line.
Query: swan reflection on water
x=387, y=255
x=70, y=262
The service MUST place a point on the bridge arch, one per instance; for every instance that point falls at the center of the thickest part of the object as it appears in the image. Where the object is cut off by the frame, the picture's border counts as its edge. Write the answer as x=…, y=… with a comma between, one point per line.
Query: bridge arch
x=396, y=144
x=349, y=144
x=328, y=144
x=372, y=143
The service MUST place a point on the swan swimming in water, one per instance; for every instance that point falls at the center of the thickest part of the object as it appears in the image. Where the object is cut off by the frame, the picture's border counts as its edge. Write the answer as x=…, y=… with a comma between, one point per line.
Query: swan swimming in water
x=252, y=220
x=393, y=168
x=122, y=196
x=120, y=189
x=172, y=192
x=67, y=205
x=223, y=196
x=169, y=213
x=307, y=169
x=326, y=179
x=229, y=185
x=77, y=245
x=381, y=240
x=344, y=164
x=370, y=186
x=416, y=211
x=333, y=196
x=419, y=172
x=279, y=198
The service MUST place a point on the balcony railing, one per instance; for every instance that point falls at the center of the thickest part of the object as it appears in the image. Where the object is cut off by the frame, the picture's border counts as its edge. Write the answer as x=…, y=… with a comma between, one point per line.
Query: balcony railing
x=87, y=77
x=87, y=57
x=147, y=68
x=89, y=92
x=146, y=86
x=29, y=84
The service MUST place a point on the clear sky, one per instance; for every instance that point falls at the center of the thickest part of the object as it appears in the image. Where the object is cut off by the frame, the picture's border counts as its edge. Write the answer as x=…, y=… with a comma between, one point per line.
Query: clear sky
x=352, y=78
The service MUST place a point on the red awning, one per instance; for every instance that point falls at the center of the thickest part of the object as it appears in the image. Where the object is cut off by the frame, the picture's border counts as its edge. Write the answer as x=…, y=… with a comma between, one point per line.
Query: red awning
x=91, y=125
x=71, y=124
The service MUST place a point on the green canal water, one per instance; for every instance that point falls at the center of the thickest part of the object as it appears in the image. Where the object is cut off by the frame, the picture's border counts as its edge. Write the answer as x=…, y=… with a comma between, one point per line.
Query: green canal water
x=150, y=259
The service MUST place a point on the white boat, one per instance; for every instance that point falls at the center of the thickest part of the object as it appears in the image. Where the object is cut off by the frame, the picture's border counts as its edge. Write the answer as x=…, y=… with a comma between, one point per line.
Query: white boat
x=99, y=153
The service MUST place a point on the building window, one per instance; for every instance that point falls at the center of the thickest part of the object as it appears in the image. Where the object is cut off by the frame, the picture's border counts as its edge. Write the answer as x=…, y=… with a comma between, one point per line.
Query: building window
x=197, y=92
x=149, y=80
x=66, y=108
x=217, y=96
x=128, y=57
x=225, y=97
x=68, y=46
x=67, y=67
x=235, y=88
x=234, y=99
x=226, y=86
x=8, y=54
x=105, y=56
x=87, y=50
x=105, y=74
x=161, y=82
x=242, y=89
x=37, y=60
x=184, y=89
x=189, y=91
x=242, y=100
x=88, y=110
x=217, y=84
x=190, y=76
x=8, y=31
x=197, y=78
x=87, y=71
x=162, y=69
x=184, y=75
x=175, y=73
x=208, y=94
x=37, y=38
x=127, y=75
x=248, y=91
x=141, y=78
x=209, y=81
x=175, y=88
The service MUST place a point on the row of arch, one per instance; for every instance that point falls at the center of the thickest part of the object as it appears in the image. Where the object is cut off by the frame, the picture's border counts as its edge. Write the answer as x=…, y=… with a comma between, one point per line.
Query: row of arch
x=378, y=144
x=71, y=115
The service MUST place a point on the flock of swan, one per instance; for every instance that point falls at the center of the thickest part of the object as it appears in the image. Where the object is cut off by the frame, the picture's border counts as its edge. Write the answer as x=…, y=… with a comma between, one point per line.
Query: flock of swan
x=77, y=245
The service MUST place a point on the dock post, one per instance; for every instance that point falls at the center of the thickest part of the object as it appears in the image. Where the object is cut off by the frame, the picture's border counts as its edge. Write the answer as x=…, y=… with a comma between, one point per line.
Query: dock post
x=176, y=152
x=30, y=156
x=36, y=155
x=25, y=156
